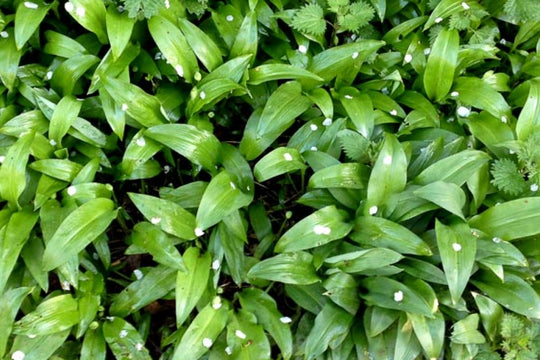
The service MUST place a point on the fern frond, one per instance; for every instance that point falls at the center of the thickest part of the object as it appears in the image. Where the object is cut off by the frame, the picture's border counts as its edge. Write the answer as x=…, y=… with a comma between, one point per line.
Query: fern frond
x=310, y=19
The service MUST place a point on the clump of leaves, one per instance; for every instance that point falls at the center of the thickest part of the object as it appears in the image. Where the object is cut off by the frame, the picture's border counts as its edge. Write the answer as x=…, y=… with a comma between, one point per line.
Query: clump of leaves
x=507, y=177
x=145, y=8
x=520, y=338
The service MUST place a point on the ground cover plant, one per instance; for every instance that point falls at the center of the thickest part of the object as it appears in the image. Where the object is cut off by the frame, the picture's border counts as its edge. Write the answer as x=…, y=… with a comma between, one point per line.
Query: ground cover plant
x=269, y=179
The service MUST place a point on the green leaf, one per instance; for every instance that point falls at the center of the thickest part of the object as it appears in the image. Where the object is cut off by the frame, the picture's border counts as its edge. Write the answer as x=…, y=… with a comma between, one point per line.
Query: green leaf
x=322, y=227
x=40, y=347
x=392, y=294
x=270, y=72
x=61, y=169
x=246, y=41
x=28, y=17
x=158, y=244
x=379, y=232
x=174, y=46
x=429, y=332
x=264, y=307
x=359, y=261
x=348, y=176
x=441, y=64
x=80, y=228
x=466, y=331
x=457, y=248
x=10, y=57
x=491, y=314
x=203, y=46
x=168, y=216
x=119, y=28
x=279, y=113
x=480, y=94
x=407, y=345
x=114, y=114
x=154, y=285
x=65, y=113
x=331, y=326
x=443, y=10
x=53, y=315
x=202, y=333
x=280, y=161
x=61, y=45
x=65, y=77
x=342, y=289
x=456, y=169
x=93, y=346
x=113, y=67
x=359, y=108
x=199, y=146
x=10, y=302
x=232, y=238
x=210, y=93
x=222, y=197
x=529, y=118
x=124, y=340
x=511, y=220
x=491, y=131
x=389, y=174
x=309, y=19
x=13, y=169
x=289, y=268
x=191, y=285
x=448, y=196
x=91, y=15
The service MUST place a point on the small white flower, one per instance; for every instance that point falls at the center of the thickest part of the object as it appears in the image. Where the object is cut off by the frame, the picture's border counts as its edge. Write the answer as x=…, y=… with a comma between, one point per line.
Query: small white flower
x=202, y=95
x=327, y=122
x=407, y=58
x=511, y=152
x=179, y=70
x=139, y=346
x=229, y=18
x=463, y=111
x=348, y=97
x=387, y=160
x=138, y=274
x=158, y=56
x=427, y=51
x=454, y=94
x=504, y=119
x=216, y=264
x=166, y=169
x=69, y=7
x=240, y=334
x=534, y=187
x=287, y=156
x=385, y=90
x=438, y=20
x=125, y=107
x=167, y=4
x=313, y=127
x=30, y=5
x=355, y=55
x=456, y=247
x=72, y=190
x=398, y=296
x=233, y=186
x=207, y=342
x=228, y=350
x=52, y=142
x=4, y=34
x=393, y=112
x=321, y=230
x=123, y=333
x=80, y=11
x=65, y=285
x=302, y=49
x=465, y=6
x=373, y=210
x=49, y=75
x=216, y=303
x=32, y=336
x=155, y=220
x=109, y=318
x=502, y=41
x=199, y=232
x=313, y=148
x=285, y=320
x=18, y=355
x=497, y=240
x=140, y=141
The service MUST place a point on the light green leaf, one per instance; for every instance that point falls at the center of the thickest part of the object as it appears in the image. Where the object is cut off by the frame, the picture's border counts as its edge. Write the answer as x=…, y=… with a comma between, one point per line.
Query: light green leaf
x=113, y=67
x=174, y=46
x=154, y=285
x=199, y=146
x=61, y=45
x=448, y=196
x=265, y=309
x=456, y=169
x=40, y=347
x=93, y=346
x=222, y=197
x=392, y=294
x=529, y=119
x=168, y=216
x=429, y=332
x=465, y=331
x=279, y=113
x=210, y=93
x=322, y=227
x=119, y=28
x=61, y=169
x=202, y=333
x=203, y=46
x=10, y=302
x=68, y=73
x=511, y=220
x=124, y=340
x=491, y=314
x=13, y=169
x=280, y=161
x=28, y=17
x=10, y=57
x=53, y=315
x=246, y=339
x=441, y=64
x=232, y=238
x=379, y=232
x=444, y=9
x=348, y=176
x=359, y=261
x=80, y=228
x=245, y=42
x=457, y=248
x=480, y=94
x=114, y=114
x=359, y=108
x=270, y=72
x=65, y=113
x=91, y=15
x=191, y=285
x=491, y=131
x=407, y=345
x=289, y=268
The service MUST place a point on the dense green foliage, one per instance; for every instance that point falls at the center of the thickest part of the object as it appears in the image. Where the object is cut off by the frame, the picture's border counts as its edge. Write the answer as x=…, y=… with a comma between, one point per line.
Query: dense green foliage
x=269, y=179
